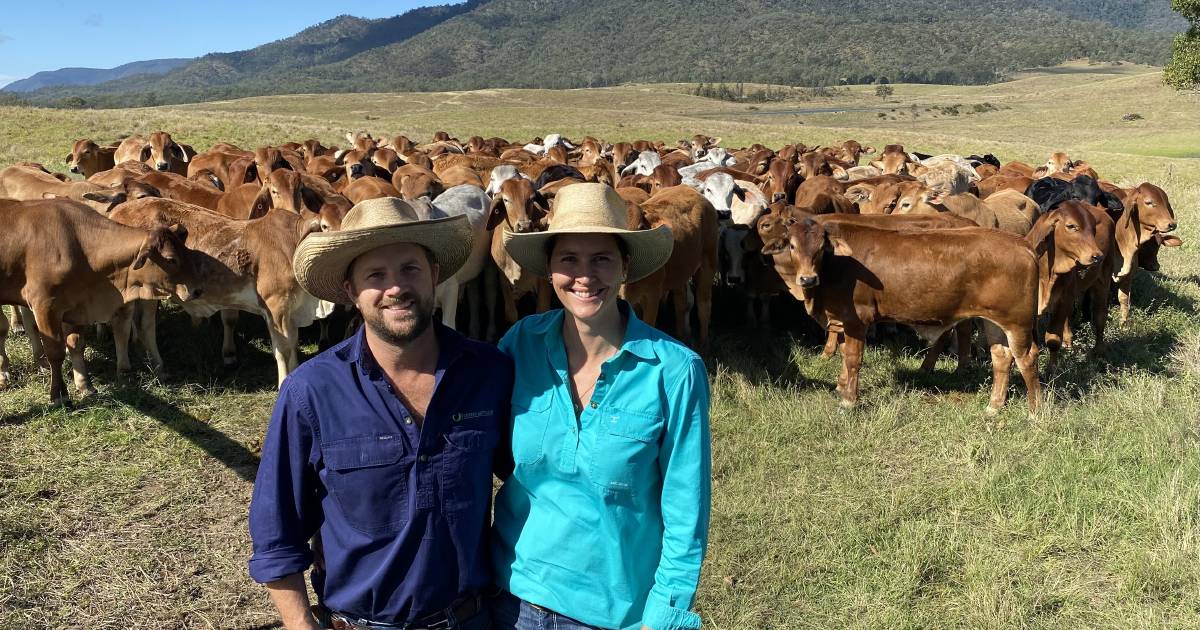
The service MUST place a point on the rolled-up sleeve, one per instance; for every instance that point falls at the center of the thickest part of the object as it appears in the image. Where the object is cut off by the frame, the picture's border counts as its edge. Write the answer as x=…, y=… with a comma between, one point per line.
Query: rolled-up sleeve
x=285, y=510
x=686, y=466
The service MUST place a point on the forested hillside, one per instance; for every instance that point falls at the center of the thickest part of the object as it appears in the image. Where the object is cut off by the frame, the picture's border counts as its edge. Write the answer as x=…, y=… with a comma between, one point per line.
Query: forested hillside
x=576, y=43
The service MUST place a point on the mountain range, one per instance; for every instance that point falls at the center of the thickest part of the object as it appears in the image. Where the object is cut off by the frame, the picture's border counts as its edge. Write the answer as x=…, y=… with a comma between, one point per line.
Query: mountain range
x=582, y=43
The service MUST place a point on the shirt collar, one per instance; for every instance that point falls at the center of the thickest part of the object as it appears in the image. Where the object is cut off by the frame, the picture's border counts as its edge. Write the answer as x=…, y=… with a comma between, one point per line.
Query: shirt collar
x=639, y=336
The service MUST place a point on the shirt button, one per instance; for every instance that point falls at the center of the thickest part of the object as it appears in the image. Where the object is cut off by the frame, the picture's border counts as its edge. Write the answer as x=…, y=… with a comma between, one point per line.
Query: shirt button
x=424, y=458
x=594, y=405
x=407, y=420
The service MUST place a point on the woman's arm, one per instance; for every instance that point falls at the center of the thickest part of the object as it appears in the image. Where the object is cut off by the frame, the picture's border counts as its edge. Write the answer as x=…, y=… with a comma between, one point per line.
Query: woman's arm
x=685, y=463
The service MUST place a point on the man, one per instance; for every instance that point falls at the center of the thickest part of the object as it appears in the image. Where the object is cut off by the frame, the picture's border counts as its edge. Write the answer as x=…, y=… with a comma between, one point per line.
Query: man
x=383, y=447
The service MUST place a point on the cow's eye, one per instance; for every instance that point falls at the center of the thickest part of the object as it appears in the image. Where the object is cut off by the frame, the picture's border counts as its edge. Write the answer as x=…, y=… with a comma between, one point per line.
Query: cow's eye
x=1073, y=227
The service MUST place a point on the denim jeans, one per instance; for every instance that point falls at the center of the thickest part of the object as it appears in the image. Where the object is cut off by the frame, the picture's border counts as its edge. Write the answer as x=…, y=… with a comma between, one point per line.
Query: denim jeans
x=510, y=612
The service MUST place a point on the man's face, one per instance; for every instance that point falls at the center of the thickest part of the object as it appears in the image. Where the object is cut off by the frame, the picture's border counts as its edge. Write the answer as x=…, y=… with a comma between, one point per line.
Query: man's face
x=393, y=287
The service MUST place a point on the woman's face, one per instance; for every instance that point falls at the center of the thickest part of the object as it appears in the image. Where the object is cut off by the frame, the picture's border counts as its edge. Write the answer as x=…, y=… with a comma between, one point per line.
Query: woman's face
x=586, y=271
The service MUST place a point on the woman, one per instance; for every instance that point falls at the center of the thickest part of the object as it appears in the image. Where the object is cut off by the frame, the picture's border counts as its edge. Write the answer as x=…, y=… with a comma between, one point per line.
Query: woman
x=604, y=521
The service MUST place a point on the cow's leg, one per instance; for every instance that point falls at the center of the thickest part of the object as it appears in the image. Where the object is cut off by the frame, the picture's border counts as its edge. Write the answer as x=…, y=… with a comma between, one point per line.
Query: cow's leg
x=121, y=323
x=683, y=324
x=832, y=342
x=1002, y=359
x=704, y=290
x=470, y=298
x=5, y=376
x=147, y=320
x=229, y=319
x=284, y=335
x=751, y=312
x=935, y=351
x=1055, y=331
x=49, y=328
x=491, y=294
x=1124, y=288
x=766, y=311
x=962, y=333
x=508, y=294
x=18, y=326
x=1025, y=350
x=75, y=346
x=35, y=340
x=1099, y=315
x=447, y=298
x=852, y=355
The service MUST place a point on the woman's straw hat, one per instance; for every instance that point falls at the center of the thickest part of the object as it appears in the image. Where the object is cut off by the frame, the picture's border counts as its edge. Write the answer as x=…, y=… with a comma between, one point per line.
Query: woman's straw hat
x=592, y=209
x=322, y=258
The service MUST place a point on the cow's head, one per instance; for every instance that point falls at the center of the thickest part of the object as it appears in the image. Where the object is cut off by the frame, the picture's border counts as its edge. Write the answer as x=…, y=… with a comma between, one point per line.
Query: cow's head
x=162, y=150
x=851, y=150
x=385, y=160
x=1154, y=212
x=88, y=158
x=806, y=244
x=518, y=206
x=164, y=267
x=357, y=163
x=1067, y=237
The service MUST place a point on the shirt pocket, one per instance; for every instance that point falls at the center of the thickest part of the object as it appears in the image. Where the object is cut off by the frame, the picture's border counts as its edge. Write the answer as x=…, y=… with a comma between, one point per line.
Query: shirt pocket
x=530, y=420
x=626, y=455
x=466, y=470
x=368, y=477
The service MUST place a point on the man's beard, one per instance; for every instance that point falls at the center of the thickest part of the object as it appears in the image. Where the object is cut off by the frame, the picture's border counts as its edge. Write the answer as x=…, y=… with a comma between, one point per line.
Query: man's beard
x=409, y=328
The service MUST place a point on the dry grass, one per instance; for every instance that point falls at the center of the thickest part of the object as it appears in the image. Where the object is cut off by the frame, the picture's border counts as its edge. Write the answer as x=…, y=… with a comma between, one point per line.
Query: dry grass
x=915, y=510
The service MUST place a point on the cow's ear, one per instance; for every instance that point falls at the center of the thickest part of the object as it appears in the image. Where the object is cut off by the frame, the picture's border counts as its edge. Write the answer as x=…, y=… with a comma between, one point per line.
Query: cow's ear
x=869, y=150
x=70, y=156
x=145, y=154
x=311, y=199
x=774, y=246
x=261, y=204
x=1042, y=235
x=712, y=142
x=183, y=156
x=496, y=212
x=839, y=245
x=1170, y=240
x=1040, y=172
x=740, y=193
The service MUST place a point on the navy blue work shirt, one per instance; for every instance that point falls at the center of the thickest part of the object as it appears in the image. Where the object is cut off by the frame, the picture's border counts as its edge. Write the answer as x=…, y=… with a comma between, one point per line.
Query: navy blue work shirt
x=401, y=513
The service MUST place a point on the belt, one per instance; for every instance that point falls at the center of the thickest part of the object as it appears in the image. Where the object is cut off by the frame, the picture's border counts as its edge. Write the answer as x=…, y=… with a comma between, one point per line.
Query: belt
x=441, y=620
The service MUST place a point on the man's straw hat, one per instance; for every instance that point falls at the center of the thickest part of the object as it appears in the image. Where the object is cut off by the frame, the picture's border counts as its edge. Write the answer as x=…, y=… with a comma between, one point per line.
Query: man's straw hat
x=592, y=209
x=322, y=258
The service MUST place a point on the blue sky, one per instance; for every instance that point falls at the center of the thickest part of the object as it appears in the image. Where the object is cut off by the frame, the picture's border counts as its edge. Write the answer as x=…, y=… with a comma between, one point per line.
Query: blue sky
x=53, y=34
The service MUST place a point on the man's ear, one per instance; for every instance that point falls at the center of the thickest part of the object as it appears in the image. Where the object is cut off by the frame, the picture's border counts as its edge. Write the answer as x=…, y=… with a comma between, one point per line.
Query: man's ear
x=348, y=287
x=436, y=271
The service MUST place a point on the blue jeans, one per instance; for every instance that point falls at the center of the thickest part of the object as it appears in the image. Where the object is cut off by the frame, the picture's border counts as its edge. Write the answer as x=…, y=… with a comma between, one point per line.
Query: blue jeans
x=510, y=612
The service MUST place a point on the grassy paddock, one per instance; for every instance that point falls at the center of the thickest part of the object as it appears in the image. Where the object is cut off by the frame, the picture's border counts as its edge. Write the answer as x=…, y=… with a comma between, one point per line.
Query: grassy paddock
x=914, y=510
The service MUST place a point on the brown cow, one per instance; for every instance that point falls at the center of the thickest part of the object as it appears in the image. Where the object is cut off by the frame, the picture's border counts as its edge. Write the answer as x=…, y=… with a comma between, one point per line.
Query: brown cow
x=415, y=181
x=518, y=208
x=851, y=276
x=1145, y=222
x=162, y=153
x=26, y=184
x=693, y=223
x=247, y=267
x=71, y=266
x=88, y=158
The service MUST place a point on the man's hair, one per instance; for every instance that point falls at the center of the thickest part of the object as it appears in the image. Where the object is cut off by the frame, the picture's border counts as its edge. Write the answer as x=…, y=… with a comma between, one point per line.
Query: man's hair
x=350, y=268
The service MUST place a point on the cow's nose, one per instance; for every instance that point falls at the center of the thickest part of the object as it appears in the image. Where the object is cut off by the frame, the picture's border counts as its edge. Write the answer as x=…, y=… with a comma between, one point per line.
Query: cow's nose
x=1171, y=227
x=734, y=279
x=197, y=293
x=809, y=282
x=523, y=226
x=74, y=168
x=162, y=166
x=777, y=197
x=1097, y=258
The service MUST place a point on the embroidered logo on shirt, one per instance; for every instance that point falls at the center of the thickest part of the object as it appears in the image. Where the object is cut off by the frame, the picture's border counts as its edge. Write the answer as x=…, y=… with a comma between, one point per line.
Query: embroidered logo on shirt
x=459, y=417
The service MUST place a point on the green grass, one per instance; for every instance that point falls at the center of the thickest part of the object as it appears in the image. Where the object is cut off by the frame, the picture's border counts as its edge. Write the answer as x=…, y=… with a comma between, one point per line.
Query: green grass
x=913, y=510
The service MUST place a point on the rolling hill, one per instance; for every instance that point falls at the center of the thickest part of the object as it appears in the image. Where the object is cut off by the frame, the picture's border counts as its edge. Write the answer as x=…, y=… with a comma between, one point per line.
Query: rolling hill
x=573, y=43
x=92, y=76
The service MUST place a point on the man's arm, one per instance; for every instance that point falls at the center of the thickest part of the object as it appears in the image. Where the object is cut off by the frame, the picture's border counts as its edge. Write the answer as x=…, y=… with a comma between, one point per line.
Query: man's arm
x=291, y=598
x=285, y=511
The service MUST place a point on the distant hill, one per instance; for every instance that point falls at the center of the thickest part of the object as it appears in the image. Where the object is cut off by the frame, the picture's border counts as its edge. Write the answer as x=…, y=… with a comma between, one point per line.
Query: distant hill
x=92, y=76
x=578, y=43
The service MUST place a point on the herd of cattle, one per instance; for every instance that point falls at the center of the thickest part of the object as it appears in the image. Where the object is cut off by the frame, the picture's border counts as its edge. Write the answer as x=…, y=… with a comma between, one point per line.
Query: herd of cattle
x=938, y=243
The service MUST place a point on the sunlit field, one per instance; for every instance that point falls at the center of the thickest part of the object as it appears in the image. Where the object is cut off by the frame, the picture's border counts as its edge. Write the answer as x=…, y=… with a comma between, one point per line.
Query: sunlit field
x=913, y=510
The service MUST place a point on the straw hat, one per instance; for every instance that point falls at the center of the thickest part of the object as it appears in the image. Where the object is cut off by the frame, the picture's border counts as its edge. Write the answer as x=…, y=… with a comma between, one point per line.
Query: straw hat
x=321, y=259
x=592, y=209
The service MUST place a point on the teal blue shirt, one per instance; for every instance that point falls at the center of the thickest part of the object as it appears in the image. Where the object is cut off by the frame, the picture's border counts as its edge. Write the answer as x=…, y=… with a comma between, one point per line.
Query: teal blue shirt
x=605, y=518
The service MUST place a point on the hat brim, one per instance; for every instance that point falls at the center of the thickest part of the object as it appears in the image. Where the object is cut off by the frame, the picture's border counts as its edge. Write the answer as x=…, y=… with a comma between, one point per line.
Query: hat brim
x=648, y=249
x=322, y=258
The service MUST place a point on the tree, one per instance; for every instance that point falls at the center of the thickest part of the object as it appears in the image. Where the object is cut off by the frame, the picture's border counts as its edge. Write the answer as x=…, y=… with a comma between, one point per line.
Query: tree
x=1183, y=72
x=884, y=90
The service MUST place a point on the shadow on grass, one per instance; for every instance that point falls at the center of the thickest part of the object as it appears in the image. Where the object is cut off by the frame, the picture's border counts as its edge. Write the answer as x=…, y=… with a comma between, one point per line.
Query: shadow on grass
x=220, y=447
